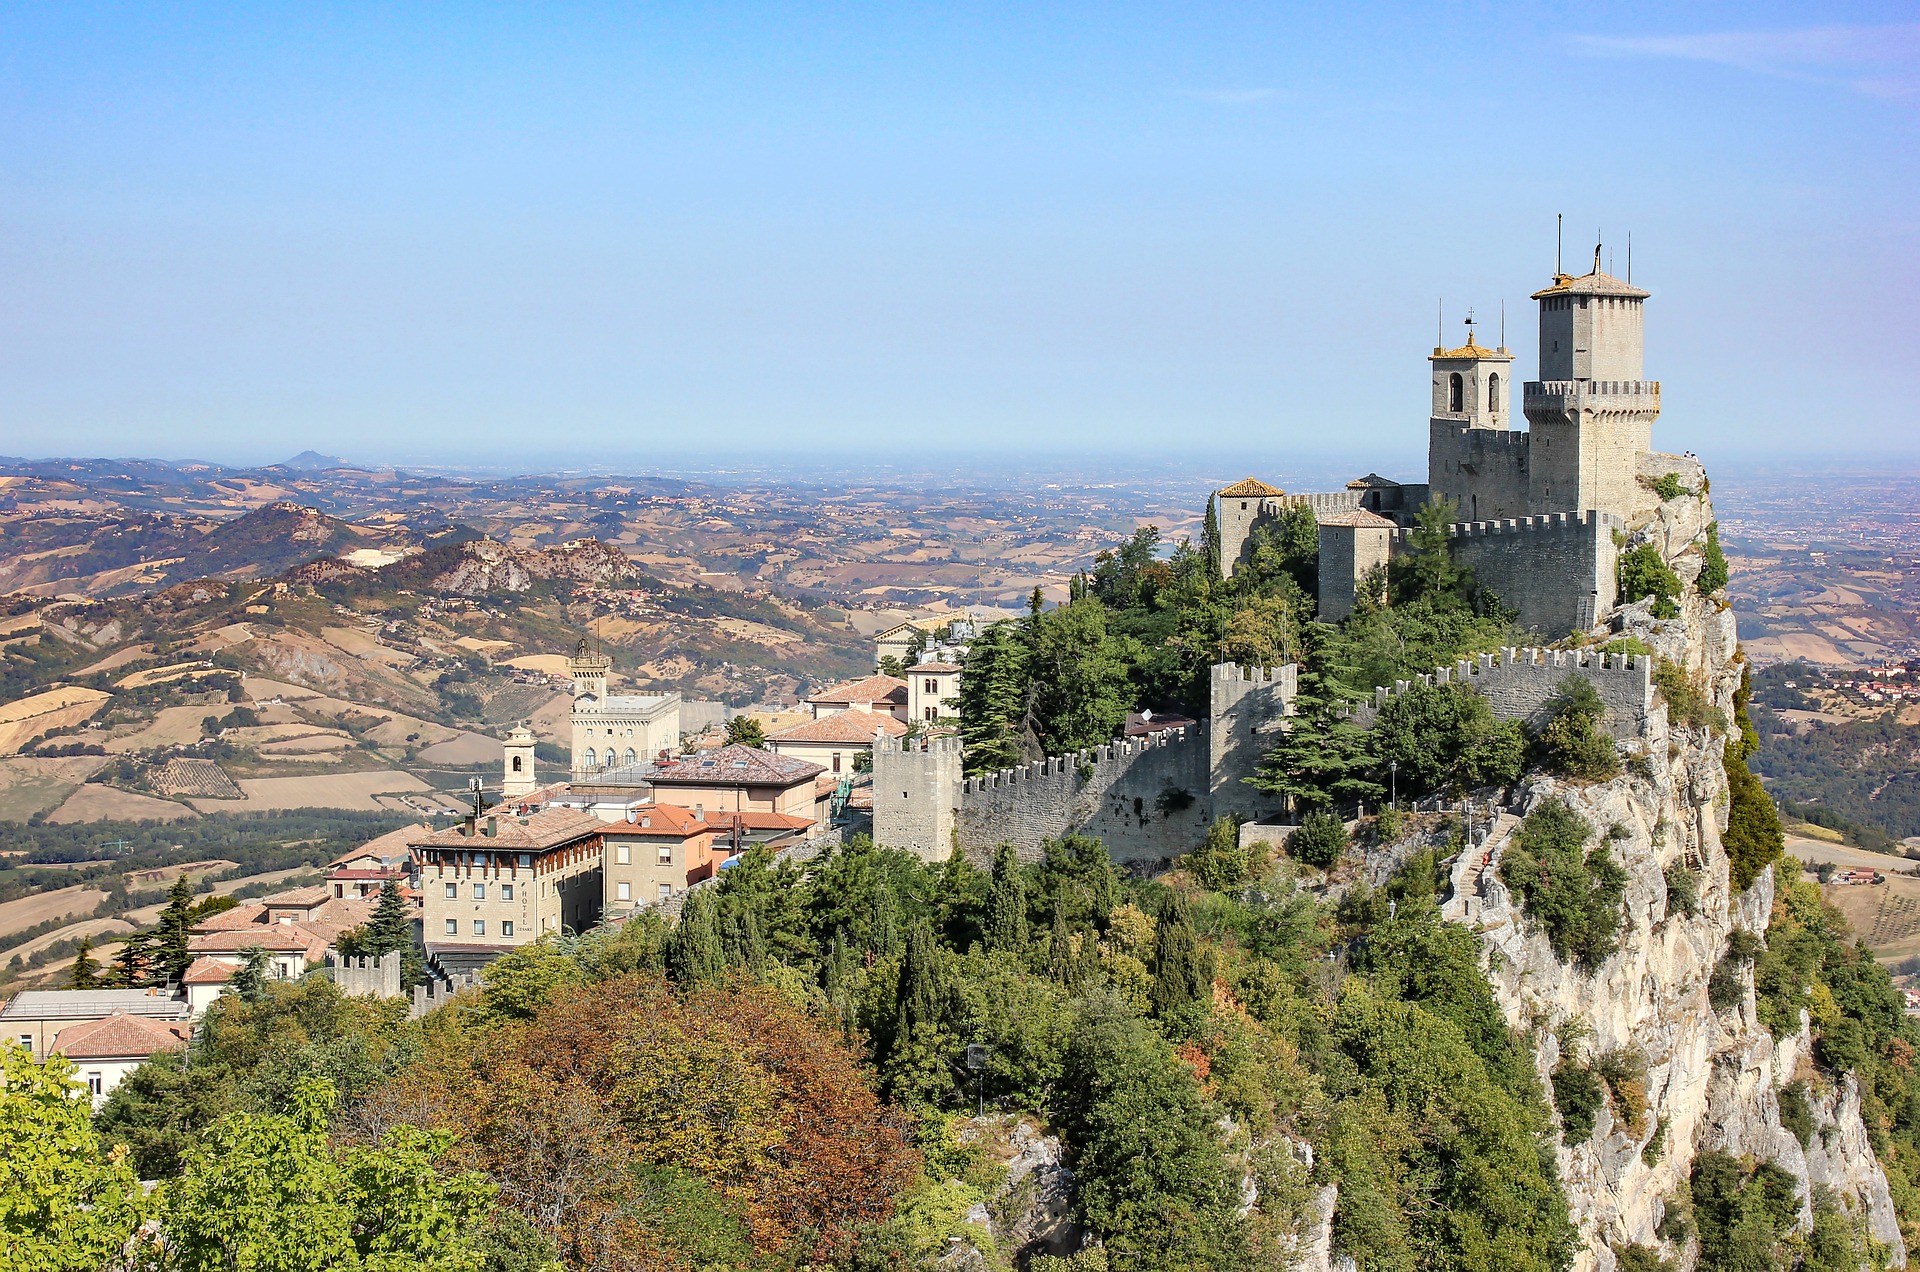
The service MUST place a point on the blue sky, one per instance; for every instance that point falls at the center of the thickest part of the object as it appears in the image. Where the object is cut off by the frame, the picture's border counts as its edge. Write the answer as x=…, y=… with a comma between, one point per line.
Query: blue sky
x=528, y=234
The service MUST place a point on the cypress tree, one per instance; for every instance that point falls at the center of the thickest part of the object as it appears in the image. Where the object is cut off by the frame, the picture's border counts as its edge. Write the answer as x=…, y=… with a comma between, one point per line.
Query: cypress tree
x=1006, y=903
x=176, y=922
x=134, y=961
x=886, y=920
x=86, y=971
x=1181, y=971
x=741, y=944
x=920, y=998
x=693, y=951
x=250, y=982
x=1060, y=968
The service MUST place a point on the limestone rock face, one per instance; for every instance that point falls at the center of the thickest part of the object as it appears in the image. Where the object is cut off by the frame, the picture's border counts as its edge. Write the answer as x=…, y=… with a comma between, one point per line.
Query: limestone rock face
x=1713, y=1079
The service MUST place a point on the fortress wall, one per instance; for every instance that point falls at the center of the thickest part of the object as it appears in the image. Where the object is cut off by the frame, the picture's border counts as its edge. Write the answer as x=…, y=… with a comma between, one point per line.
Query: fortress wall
x=1483, y=470
x=1237, y=518
x=1519, y=683
x=1557, y=571
x=916, y=789
x=361, y=976
x=1246, y=705
x=1145, y=798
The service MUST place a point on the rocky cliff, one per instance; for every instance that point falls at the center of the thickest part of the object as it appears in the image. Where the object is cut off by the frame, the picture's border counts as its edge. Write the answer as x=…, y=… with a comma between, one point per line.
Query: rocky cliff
x=1712, y=1077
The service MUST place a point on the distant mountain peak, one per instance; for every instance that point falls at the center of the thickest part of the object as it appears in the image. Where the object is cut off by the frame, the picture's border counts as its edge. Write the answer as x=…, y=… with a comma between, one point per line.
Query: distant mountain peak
x=313, y=461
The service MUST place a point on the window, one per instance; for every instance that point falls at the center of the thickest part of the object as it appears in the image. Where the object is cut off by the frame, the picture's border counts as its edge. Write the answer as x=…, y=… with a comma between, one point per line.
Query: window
x=623, y=855
x=453, y=927
x=933, y=686
x=26, y=1040
x=593, y=758
x=506, y=892
x=836, y=761
x=516, y=764
x=96, y=1085
x=453, y=891
x=928, y=712
x=479, y=892
x=506, y=928
x=623, y=892
x=526, y=859
x=1493, y=392
x=666, y=890
x=479, y=927
x=1456, y=401
x=666, y=854
x=630, y=756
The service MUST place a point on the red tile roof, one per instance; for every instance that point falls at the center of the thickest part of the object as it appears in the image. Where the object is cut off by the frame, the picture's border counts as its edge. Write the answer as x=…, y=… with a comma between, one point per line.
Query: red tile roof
x=872, y=689
x=655, y=821
x=842, y=726
x=207, y=970
x=536, y=832
x=387, y=847
x=301, y=938
x=934, y=668
x=118, y=1037
x=734, y=765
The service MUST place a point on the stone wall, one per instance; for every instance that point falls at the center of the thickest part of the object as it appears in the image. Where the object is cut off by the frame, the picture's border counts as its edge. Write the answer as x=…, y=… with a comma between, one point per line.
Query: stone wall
x=359, y=977
x=916, y=794
x=1237, y=516
x=1246, y=706
x=1483, y=470
x=1556, y=571
x=1145, y=798
x=1518, y=684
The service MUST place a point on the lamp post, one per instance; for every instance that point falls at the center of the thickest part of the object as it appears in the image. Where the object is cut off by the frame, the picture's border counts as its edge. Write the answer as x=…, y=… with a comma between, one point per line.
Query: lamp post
x=1393, y=783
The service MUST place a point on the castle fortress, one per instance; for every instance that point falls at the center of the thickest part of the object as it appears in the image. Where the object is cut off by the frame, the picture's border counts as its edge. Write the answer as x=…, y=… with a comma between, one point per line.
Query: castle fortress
x=1543, y=508
x=1539, y=506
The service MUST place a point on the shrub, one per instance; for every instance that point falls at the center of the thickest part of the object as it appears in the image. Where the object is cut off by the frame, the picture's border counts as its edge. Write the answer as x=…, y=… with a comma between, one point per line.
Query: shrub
x=1753, y=839
x=1578, y=1095
x=1575, y=895
x=1221, y=863
x=1625, y=1073
x=1573, y=744
x=1642, y=573
x=1656, y=1144
x=1668, y=486
x=1796, y=1114
x=1713, y=564
x=1321, y=839
x=1683, y=891
x=1446, y=737
x=1687, y=702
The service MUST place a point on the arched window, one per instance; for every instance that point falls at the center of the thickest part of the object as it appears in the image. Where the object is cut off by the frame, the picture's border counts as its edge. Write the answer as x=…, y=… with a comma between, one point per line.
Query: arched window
x=1456, y=393
x=516, y=764
x=593, y=758
x=630, y=756
x=1493, y=392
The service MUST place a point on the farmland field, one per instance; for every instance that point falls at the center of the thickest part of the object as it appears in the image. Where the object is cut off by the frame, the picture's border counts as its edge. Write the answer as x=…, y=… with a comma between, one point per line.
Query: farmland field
x=92, y=803
x=28, y=718
x=26, y=912
x=29, y=785
x=327, y=790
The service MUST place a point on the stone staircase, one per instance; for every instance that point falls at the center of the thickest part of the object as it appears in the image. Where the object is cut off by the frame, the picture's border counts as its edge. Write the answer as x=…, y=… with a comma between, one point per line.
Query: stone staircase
x=1475, y=867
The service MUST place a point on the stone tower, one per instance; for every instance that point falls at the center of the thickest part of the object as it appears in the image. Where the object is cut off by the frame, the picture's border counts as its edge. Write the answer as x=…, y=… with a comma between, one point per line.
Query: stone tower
x=517, y=773
x=1590, y=413
x=589, y=671
x=1473, y=456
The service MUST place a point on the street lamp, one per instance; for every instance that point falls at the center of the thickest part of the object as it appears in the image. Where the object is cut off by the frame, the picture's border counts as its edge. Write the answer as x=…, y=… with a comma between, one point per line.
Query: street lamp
x=1393, y=781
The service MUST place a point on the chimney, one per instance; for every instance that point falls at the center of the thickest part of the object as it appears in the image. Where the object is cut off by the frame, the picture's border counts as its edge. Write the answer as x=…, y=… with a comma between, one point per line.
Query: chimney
x=699, y=812
x=490, y=827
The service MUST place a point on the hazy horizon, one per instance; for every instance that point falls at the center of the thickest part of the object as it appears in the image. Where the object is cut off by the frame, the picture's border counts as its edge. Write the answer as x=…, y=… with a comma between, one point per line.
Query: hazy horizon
x=740, y=232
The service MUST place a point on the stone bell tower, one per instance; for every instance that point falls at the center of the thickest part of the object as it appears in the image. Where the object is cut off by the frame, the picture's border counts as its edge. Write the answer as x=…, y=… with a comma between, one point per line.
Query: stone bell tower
x=517, y=776
x=1473, y=456
x=1590, y=412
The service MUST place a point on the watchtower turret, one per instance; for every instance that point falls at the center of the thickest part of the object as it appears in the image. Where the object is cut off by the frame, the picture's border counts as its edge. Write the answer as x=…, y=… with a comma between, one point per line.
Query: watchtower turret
x=589, y=671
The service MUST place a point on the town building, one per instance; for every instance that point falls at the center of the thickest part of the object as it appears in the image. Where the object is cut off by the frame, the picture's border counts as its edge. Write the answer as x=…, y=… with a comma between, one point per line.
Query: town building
x=492, y=882
x=874, y=695
x=34, y=1018
x=731, y=779
x=364, y=871
x=105, y=1051
x=933, y=693
x=656, y=851
x=612, y=730
x=940, y=637
x=836, y=742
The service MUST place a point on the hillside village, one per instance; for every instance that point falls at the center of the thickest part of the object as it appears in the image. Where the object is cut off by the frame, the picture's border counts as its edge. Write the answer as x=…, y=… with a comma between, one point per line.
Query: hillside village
x=1227, y=798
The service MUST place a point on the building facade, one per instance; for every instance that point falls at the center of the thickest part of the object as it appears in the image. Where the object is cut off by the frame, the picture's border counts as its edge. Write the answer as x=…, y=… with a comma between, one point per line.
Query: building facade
x=612, y=730
x=492, y=883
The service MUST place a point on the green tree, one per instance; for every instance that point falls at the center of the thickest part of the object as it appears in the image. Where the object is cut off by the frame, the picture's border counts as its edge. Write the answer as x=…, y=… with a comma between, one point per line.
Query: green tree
x=1446, y=738
x=1643, y=573
x=391, y=927
x=175, y=926
x=1577, y=896
x=64, y=1205
x=1713, y=563
x=745, y=730
x=1320, y=840
x=1574, y=742
x=256, y=971
x=1080, y=671
x=1427, y=570
x=1321, y=758
x=693, y=951
x=1007, y=902
x=1182, y=971
x=996, y=701
x=86, y=969
x=1220, y=863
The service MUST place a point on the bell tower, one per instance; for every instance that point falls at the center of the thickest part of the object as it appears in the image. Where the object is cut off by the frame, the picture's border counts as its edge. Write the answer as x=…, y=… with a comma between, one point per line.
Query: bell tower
x=589, y=671
x=517, y=765
x=1474, y=459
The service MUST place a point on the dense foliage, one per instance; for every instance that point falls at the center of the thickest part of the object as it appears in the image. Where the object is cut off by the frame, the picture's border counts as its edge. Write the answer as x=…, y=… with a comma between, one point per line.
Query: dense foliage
x=1642, y=573
x=1573, y=892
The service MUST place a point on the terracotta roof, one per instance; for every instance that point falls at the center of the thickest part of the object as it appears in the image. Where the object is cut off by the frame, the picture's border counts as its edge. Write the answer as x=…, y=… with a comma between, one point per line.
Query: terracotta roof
x=388, y=846
x=298, y=898
x=936, y=668
x=274, y=937
x=206, y=970
x=659, y=820
x=872, y=689
x=1251, y=486
x=536, y=832
x=1372, y=481
x=1470, y=350
x=334, y=912
x=1594, y=283
x=753, y=819
x=851, y=727
x=118, y=1037
x=734, y=765
x=245, y=915
x=1358, y=517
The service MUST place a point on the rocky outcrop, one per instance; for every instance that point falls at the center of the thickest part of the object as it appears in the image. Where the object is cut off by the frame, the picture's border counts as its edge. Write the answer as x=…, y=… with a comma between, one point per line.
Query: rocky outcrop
x=1712, y=1078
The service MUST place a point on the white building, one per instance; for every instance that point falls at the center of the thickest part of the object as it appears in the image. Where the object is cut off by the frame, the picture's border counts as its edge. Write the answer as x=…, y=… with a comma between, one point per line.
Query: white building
x=614, y=730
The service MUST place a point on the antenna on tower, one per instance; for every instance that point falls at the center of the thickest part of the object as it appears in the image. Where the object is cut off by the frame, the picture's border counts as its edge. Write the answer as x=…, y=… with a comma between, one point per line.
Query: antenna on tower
x=1559, y=230
x=1629, y=255
x=1503, y=323
x=1440, y=324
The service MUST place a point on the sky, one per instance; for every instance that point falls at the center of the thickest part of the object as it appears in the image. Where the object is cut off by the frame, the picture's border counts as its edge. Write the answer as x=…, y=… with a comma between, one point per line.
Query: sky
x=528, y=235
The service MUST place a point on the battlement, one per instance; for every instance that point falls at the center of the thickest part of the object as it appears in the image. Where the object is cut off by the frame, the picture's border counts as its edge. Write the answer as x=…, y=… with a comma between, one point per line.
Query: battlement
x=1519, y=683
x=1546, y=523
x=1541, y=390
x=1486, y=439
x=361, y=975
x=943, y=744
x=1054, y=766
x=1234, y=673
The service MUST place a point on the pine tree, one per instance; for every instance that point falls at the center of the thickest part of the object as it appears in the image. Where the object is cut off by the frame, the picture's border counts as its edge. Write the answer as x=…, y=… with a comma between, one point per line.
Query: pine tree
x=693, y=951
x=1182, y=973
x=250, y=982
x=86, y=971
x=994, y=698
x=135, y=961
x=1006, y=903
x=170, y=936
x=746, y=731
x=391, y=927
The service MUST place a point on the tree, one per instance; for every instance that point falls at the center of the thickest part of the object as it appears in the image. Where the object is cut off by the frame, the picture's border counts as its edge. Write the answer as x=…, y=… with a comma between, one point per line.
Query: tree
x=744, y=730
x=64, y=1205
x=693, y=951
x=1320, y=840
x=1573, y=743
x=996, y=701
x=135, y=961
x=1643, y=573
x=250, y=982
x=170, y=937
x=1220, y=863
x=86, y=970
x=1446, y=738
x=1427, y=571
x=1577, y=896
x=391, y=927
x=1080, y=669
x=1321, y=758
x=1182, y=971
x=1713, y=563
x=1006, y=927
